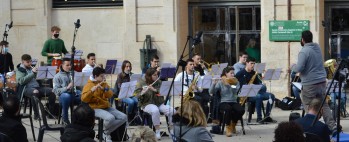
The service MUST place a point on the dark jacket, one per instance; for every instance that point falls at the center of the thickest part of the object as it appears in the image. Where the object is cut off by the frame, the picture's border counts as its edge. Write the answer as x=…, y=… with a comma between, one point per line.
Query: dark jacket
x=13, y=127
x=77, y=133
x=190, y=133
x=122, y=78
x=319, y=128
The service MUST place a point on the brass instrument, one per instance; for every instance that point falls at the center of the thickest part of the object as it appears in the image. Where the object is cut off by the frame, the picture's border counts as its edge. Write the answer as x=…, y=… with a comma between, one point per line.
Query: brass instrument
x=208, y=65
x=190, y=92
x=243, y=99
x=331, y=69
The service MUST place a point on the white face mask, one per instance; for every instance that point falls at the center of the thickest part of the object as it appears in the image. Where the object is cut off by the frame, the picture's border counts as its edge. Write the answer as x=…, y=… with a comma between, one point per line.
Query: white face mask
x=127, y=72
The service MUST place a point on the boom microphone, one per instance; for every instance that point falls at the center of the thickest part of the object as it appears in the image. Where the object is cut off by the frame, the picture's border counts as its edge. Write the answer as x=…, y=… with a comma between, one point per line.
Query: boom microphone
x=197, y=38
x=77, y=24
x=10, y=25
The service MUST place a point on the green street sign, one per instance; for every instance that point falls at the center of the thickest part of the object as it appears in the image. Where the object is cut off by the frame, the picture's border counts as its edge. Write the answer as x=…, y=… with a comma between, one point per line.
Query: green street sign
x=287, y=30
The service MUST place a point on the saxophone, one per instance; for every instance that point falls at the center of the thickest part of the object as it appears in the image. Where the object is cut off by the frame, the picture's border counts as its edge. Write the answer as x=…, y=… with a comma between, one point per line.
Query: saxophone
x=243, y=99
x=190, y=92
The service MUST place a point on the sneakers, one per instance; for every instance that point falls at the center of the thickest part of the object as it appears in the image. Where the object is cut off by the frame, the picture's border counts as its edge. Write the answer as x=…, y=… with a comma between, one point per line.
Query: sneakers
x=158, y=135
x=107, y=138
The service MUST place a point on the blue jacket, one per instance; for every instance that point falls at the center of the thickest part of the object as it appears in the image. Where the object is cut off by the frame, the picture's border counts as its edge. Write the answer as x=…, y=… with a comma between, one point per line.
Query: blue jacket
x=319, y=128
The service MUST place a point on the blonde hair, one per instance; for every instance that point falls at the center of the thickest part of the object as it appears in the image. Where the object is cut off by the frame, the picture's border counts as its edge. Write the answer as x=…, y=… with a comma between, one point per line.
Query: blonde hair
x=143, y=134
x=194, y=113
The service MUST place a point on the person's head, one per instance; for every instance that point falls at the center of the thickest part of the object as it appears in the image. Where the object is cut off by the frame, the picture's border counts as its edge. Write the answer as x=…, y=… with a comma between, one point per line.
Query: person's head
x=4, y=46
x=250, y=62
x=91, y=59
x=98, y=74
x=26, y=60
x=251, y=43
x=84, y=115
x=243, y=57
x=288, y=132
x=143, y=134
x=151, y=75
x=55, y=31
x=126, y=66
x=228, y=72
x=314, y=107
x=190, y=65
x=197, y=58
x=193, y=112
x=66, y=65
x=307, y=37
x=154, y=61
x=11, y=106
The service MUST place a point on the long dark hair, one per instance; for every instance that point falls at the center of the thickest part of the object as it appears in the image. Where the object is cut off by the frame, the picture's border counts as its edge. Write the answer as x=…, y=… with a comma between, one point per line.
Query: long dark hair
x=226, y=70
x=149, y=74
x=123, y=66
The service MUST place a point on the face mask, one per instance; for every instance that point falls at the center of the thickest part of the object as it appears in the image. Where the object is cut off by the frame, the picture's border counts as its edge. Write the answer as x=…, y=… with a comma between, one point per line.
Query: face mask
x=56, y=35
x=127, y=72
x=6, y=49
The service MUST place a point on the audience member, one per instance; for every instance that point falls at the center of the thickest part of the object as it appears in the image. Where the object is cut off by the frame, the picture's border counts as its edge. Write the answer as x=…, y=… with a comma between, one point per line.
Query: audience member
x=288, y=132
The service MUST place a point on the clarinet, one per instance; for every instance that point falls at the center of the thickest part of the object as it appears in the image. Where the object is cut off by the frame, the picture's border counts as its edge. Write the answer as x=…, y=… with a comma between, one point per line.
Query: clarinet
x=74, y=87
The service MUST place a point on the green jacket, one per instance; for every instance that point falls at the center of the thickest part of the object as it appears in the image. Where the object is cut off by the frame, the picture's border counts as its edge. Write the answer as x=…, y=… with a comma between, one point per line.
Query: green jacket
x=23, y=77
x=149, y=97
x=53, y=46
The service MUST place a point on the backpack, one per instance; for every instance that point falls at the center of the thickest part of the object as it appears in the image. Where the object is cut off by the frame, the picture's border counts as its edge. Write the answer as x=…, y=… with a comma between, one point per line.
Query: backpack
x=118, y=134
x=288, y=103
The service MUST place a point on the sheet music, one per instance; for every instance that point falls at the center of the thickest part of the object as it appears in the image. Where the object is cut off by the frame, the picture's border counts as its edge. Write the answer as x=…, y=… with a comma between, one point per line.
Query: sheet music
x=81, y=78
x=259, y=67
x=135, y=77
x=205, y=82
x=176, y=89
x=249, y=90
x=165, y=65
x=127, y=89
x=218, y=68
x=46, y=72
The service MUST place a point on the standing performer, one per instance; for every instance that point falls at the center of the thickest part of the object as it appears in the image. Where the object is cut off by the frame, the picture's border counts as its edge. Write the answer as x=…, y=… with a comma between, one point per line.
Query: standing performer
x=313, y=76
x=6, y=63
x=54, y=46
x=228, y=101
x=63, y=87
x=249, y=76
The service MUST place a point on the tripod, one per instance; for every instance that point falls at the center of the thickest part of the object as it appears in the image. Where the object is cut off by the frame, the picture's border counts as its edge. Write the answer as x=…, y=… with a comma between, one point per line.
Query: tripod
x=4, y=38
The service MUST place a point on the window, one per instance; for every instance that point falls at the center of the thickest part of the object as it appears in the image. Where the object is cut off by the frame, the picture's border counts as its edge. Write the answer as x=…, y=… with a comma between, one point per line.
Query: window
x=86, y=3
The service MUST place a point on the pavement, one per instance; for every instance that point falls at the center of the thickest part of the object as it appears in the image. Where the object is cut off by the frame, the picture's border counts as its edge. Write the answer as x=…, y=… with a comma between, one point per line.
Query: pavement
x=254, y=133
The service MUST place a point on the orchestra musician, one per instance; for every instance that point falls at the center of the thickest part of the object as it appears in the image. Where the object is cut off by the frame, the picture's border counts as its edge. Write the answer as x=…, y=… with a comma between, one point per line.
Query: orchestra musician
x=123, y=77
x=228, y=100
x=91, y=63
x=242, y=62
x=154, y=63
x=96, y=93
x=147, y=90
x=26, y=78
x=64, y=88
x=53, y=47
x=244, y=76
x=6, y=63
x=198, y=65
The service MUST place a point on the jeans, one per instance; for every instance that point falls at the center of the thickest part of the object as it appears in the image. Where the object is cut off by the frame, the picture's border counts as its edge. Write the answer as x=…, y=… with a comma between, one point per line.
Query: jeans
x=296, y=92
x=259, y=102
x=131, y=103
x=65, y=99
x=112, y=118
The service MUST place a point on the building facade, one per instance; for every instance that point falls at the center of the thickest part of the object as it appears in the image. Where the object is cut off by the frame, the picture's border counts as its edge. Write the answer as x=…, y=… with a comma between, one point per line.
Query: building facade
x=117, y=29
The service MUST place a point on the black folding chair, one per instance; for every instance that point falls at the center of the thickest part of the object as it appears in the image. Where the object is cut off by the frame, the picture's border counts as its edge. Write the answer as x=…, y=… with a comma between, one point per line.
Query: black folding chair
x=46, y=126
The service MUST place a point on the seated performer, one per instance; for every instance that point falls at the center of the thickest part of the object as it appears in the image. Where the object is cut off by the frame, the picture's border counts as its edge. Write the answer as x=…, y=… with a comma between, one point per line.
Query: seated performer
x=123, y=77
x=26, y=78
x=81, y=129
x=6, y=63
x=151, y=102
x=244, y=76
x=193, y=123
x=64, y=88
x=10, y=121
x=319, y=128
x=96, y=93
x=154, y=63
x=242, y=62
x=91, y=63
x=228, y=99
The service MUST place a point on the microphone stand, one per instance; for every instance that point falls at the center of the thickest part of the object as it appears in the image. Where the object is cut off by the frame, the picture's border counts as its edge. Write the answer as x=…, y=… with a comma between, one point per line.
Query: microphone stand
x=182, y=64
x=77, y=25
x=4, y=38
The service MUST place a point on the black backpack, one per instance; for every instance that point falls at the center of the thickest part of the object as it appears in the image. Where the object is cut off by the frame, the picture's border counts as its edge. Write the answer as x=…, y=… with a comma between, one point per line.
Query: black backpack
x=288, y=103
x=118, y=134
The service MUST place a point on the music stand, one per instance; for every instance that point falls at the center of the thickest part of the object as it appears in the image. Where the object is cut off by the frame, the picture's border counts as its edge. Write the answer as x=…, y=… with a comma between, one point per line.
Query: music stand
x=118, y=68
x=46, y=72
x=81, y=78
x=249, y=90
x=259, y=67
x=176, y=89
x=110, y=68
x=272, y=74
x=218, y=68
x=206, y=81
x=135, y=77
x=127, y=89
x=167, y=71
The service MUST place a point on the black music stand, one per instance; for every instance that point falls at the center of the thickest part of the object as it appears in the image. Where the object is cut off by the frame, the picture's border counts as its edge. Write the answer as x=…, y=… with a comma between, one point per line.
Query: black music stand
x=167, y=71
x=46, y=73
x=110, y=69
